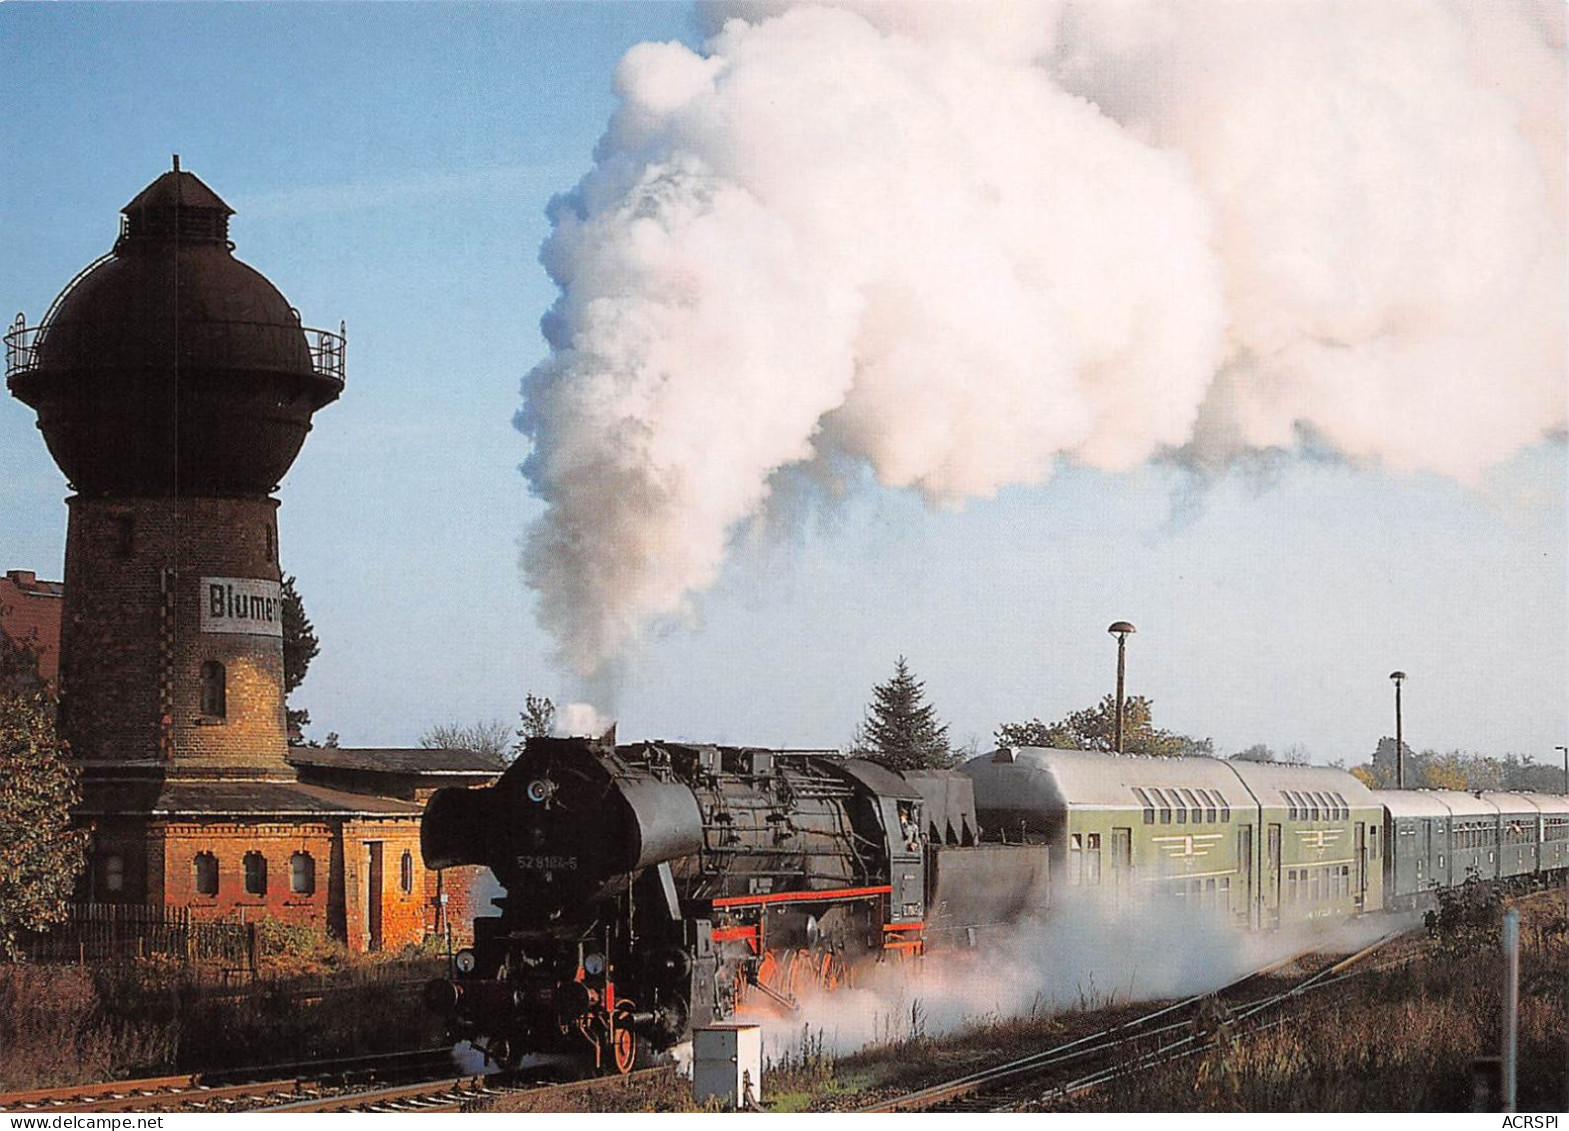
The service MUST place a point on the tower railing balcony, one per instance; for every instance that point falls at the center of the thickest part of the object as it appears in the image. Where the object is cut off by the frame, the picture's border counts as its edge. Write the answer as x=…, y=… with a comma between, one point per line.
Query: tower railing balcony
x=215, y=343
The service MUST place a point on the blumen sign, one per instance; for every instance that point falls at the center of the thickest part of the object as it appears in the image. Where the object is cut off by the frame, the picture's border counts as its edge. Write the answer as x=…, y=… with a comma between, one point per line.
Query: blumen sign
x=242, y=604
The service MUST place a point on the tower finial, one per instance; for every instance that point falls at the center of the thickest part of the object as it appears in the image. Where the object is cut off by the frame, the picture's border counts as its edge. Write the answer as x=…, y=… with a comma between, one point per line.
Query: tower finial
x=176, y=162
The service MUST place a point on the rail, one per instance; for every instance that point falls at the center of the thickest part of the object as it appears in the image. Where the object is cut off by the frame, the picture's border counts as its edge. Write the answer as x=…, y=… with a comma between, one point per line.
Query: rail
x=1181, y=1017
x=217, y=342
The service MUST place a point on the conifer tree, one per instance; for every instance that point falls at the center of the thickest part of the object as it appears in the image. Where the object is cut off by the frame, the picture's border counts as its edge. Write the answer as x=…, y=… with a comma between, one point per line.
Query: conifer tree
x=900, y=730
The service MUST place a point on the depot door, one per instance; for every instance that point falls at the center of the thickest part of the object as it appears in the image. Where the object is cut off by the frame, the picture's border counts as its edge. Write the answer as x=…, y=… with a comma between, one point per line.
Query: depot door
x=373, y=895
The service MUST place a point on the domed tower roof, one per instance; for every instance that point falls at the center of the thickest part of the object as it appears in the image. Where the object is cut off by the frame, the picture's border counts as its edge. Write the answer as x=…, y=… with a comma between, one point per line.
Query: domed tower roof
x=170, y=367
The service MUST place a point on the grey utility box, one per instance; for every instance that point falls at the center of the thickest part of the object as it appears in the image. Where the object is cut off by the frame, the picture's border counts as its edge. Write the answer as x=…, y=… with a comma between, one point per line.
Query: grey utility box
x=727, y=1063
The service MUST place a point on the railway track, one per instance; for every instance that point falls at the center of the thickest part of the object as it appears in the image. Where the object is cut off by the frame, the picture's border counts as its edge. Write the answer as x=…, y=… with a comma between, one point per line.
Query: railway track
x=1169, y=1033
x=229, y=1090
x=463, y=1093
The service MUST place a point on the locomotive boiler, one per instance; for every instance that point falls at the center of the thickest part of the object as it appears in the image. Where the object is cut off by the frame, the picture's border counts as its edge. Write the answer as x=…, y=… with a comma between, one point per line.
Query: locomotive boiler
x=653, y=887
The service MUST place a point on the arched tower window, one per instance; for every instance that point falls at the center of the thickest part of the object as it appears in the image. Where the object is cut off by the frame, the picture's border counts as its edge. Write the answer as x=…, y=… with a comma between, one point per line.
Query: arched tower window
x=302, y=873
x=215, y=698
x=205, y=873
x=406, y=872
x=255, y=874
x=114, y=872
x=124, y=535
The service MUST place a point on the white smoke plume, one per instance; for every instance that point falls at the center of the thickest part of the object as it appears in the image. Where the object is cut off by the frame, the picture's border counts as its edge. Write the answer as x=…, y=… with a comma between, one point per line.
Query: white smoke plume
x=578, y=720
x=1087, y=954
x=962, y=242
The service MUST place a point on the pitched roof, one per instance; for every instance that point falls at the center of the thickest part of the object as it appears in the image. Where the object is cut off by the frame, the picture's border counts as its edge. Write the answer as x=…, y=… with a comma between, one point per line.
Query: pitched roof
x=234, y=798
x=397, y=760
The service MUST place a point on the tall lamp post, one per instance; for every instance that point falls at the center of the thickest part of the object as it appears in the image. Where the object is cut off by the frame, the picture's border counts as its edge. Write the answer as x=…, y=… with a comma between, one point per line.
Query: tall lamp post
x=1121, y=630
x=1565, y=749
x=1400, y=740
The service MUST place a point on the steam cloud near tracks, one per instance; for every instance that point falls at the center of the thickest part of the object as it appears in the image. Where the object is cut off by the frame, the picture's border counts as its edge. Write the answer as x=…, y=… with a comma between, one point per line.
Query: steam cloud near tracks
x=957, y=243
x=1087, y=954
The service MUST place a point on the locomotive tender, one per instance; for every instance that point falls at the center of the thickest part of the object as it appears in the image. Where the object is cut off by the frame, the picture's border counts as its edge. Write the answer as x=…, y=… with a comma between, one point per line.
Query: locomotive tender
x=650, y=888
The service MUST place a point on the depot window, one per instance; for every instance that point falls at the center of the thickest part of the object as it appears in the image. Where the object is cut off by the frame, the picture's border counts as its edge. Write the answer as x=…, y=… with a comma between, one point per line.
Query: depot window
x=205, y=873
x=406, y=872
x=255, y=874
x=114, y=872
x=302, y=873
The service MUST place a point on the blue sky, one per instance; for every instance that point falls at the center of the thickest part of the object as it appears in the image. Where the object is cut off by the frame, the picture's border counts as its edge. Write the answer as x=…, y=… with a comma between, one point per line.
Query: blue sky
x=391, y=166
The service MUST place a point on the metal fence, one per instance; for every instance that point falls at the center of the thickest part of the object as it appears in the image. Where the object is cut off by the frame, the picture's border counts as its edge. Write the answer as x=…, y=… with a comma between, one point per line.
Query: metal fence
x=119, y=932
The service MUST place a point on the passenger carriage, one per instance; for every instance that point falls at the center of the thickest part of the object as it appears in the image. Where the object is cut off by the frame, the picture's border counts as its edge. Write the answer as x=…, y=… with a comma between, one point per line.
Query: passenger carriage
x=1321, y=841
x=1416, y=839
x=1253, y=841
x=1553, y=852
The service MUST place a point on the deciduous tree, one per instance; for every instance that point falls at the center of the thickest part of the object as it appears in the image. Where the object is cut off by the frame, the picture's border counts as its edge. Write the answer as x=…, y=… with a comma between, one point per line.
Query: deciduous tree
x=1095, y=728
x=41, y=854
x=489, y=736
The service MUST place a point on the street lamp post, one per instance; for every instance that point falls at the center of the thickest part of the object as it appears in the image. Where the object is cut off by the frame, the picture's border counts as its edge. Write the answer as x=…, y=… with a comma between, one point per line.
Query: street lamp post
x=1121, y=629
x=1400, y=740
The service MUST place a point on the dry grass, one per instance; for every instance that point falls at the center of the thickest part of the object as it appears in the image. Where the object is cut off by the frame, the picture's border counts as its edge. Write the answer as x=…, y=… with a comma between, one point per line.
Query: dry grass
x=1400, y=1041
x=67, y=1025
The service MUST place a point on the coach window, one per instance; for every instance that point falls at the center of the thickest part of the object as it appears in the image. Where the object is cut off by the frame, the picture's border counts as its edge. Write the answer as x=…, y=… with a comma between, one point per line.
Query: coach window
x=1178, y=806
x=1165, y=806
x=406, y=871
x=1149, y=806
x=255, y=874
x=214, y=692
x=1209, y=806
x=205, y=873
x=302, y=874
x=1291, y=804
x=1075, y=859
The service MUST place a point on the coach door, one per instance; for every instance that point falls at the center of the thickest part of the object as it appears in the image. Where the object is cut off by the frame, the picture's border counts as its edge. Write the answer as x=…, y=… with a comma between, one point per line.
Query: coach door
x=1245, y=866
x=1272, y=877
x=1121, y=860
x=1361, y=865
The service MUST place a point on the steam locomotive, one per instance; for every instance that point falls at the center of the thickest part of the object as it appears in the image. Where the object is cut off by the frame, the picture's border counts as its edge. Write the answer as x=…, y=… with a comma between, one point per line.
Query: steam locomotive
x=654, y=887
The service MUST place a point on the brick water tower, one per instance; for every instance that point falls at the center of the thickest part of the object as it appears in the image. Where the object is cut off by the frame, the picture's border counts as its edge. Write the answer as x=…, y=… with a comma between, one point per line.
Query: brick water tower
x=174, y=386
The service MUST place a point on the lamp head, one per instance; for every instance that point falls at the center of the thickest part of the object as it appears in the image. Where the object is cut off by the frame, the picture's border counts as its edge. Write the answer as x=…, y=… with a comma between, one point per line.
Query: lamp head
x=1121, y=628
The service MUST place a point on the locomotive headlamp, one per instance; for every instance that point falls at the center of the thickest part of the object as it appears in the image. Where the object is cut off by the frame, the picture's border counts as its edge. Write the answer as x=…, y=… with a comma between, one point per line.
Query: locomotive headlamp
x=594, y=965
x=465, y=961
x=540, y=789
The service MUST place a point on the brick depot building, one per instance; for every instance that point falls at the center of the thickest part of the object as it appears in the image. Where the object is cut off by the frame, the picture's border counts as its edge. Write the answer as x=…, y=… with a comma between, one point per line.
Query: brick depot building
x=174, y=386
